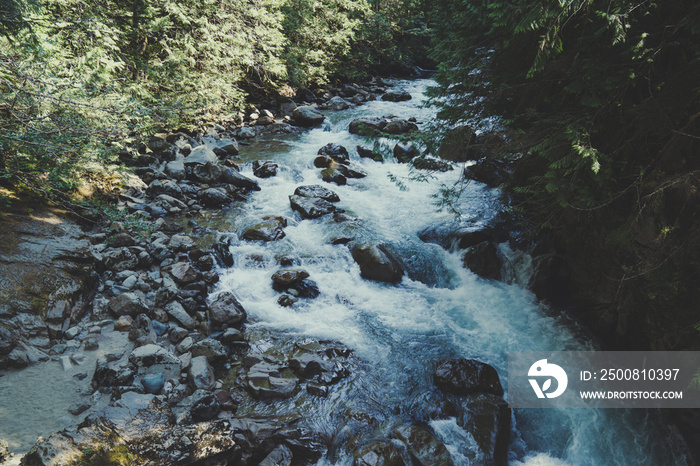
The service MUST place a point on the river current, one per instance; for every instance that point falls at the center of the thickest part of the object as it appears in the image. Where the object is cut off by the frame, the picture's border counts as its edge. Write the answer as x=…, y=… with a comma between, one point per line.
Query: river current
x=439, y=310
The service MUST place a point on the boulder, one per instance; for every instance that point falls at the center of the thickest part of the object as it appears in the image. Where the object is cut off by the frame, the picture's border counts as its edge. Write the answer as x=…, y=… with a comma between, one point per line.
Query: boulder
x=338, y=103
x=307, y=116
x=336, y=151
x=112, y=374
x=333, y=175
x=264, y=169
x=234, y=178
x=200, y=375
x=396, y=96
x=126, y=304
x=424, y=448
x=352, y=171
x=204, y=406
x=404, y=152
x=177, y=312
x=367, y=126
x=119, y=260
x=400, y=126
x=431, y=163
x=271, y=229
x=317, y=191
x=365, y=153
x=377, y=263
x=208, y=173
x=176, y=168
x=214, y=197
x=211, y=349
x=465, y=376
x=168, y=187
x=226, y=310
x=286, y=278
x=222, y=253
x=456, y=143
x=201, y=155
x=484, y=260
x=311, y=207
x=183, y=273
x=487, y=418
x=226, y=147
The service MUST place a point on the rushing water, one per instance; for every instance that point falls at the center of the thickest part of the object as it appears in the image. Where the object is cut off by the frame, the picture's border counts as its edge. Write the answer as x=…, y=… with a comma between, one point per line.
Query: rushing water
x=439, y=310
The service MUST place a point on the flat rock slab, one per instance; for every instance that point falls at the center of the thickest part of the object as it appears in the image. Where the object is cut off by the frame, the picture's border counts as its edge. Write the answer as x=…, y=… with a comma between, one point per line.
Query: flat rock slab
x=44, y=258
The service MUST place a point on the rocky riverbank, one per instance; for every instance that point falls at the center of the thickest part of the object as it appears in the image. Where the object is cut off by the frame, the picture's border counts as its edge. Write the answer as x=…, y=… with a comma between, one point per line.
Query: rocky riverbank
x=189, y=382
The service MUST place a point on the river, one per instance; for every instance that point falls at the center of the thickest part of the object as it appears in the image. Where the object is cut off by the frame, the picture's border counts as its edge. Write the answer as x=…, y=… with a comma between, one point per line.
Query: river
x=439, y=310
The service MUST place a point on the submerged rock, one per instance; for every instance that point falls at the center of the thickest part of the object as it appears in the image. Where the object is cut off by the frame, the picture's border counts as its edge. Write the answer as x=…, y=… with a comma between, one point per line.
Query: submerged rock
x=264, y=169
x=487, y=419
x=334, y=175
x=484, y=260
x=271, y=229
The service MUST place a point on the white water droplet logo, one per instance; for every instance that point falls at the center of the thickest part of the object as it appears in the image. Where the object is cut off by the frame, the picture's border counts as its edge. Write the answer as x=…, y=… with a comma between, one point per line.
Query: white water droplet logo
x=542, y=369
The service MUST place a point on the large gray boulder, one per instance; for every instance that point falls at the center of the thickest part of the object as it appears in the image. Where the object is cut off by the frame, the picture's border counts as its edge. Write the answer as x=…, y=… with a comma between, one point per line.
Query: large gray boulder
x=200, y=374
x=400, y=126
x=235, y=178
x=311, y=207
x=226, y=310
x=396, y=96
x=201, y=155
x=270, y=229
x=307, y=116
x=317, y=191
x=377, y=263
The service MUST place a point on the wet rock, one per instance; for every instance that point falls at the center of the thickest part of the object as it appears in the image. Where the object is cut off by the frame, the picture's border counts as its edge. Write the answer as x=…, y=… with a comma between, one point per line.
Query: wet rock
x=365, y=153
x=201, y=155
x=352, y=171
x=176, y=168
x=235, y=178
x=431, y=163
x=400, y=126
x=465, y=376
x=317, y=191
x=424, y=448
x=222, y=252
x=112, y=374
x=271, y=229
x=268, y=381
x=119, y=260
x=231, y=336
x=18, y=358
x=181, y=243
x=200, y=374
x=214, y=197
x=264, y=169
x=378, y=454
x=305, y=289
x=153, y=383
x=484, y=260
x=367, y=126
x=335, y=151
x=123, y=324
x=183, y=273
x=487, y=418
x=129, y=304
x=121, y=240
x=8, y=340
x=226, y=310
x=207, y=174
x=168, y=187
x=91, y=344
x=286, y=300
x=226, y=147
x=177, y=312
x=149, y=359
x=396, y=96
x=317, y=389
x=311, y=207
x=338, y=103
x=455, y=146
x=333, y=175
x=205, y=406
x=307, y=116
x=404, y=152
x=377, y=263
x=285, y=278
x=211, y=349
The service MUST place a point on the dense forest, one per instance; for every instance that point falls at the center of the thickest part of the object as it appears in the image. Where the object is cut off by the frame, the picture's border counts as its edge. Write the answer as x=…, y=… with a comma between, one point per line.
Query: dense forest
x=599, y=100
